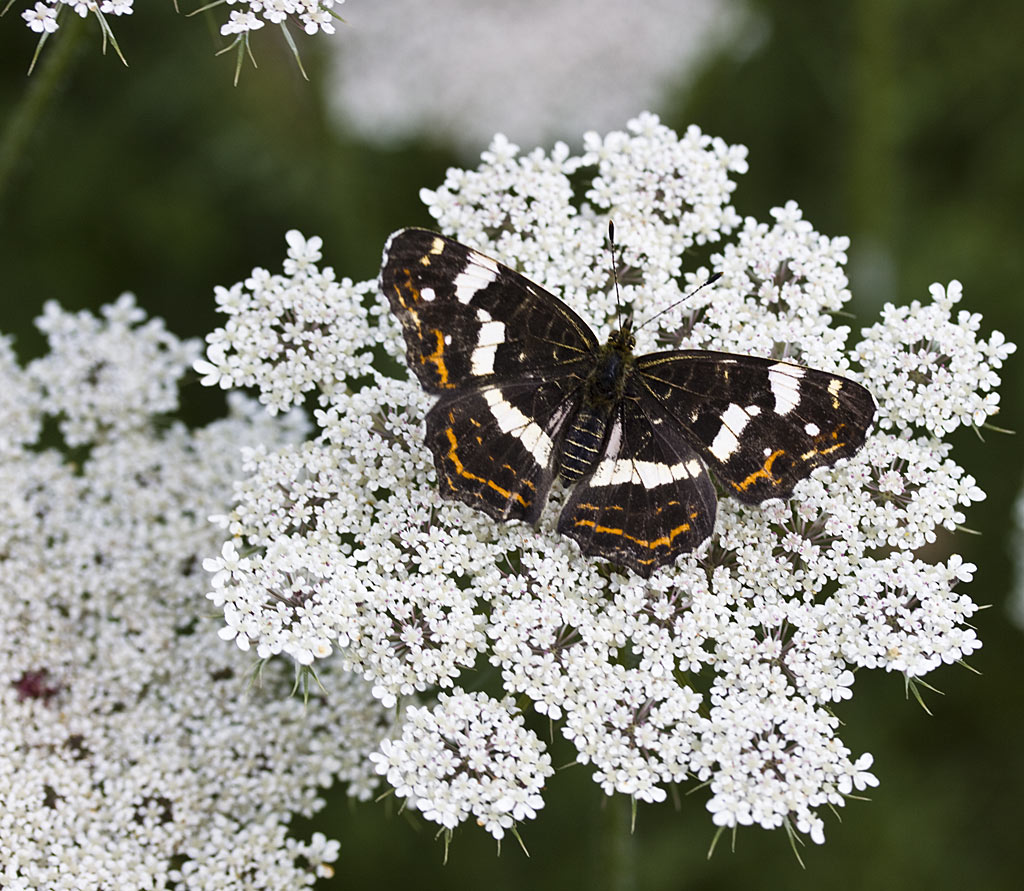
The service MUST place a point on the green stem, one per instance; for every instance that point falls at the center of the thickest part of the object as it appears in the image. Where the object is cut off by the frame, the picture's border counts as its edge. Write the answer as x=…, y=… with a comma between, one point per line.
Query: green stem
x=44, y=87
x=617, y=857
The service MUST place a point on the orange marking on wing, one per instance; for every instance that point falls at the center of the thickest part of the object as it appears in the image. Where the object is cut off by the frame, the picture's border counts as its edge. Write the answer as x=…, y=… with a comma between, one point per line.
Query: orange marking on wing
x=838, y=444
x=513, y=471
x=409, y=297
x=831, y=449
x=460, y=469
x=589, y=506
x=827, y=450
x=407, y=287
x=665, y=540
x=437, y=358
x=765, y=472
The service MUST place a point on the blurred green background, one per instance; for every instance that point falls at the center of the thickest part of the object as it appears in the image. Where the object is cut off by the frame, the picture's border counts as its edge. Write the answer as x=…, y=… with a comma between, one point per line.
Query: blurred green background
x=898, y=123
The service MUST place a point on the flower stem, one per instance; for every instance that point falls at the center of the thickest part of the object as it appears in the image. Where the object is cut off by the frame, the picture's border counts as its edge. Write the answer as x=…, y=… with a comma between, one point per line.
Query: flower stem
x=617, y=856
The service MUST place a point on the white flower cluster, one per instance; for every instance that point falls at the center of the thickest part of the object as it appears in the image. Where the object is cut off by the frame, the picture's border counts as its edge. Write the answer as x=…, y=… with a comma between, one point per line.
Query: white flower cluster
x=136, y=753
x=42, y=18
x=318, y=322
x=314, y=15
x=723, y=668
x=469, y=755
x=930, y=371
x=90, y=380
x=457, y=71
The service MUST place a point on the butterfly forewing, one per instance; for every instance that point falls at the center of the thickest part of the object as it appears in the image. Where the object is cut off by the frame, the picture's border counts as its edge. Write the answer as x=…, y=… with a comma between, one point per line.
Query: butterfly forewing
x=467, y=318
x=762, y=425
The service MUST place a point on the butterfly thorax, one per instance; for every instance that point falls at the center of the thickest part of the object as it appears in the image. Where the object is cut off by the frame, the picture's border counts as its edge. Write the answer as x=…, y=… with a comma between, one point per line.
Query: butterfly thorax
x=612, y=364
x=603, y=390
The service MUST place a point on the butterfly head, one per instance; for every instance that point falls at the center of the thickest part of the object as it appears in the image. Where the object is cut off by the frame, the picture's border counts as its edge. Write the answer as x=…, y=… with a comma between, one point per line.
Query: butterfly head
x=622, y=340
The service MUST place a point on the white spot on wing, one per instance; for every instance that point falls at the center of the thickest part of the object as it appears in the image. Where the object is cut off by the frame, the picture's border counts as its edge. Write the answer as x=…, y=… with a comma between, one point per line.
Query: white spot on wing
x=427, y=294
x=477, y=275
x=614, y=439
x=724, y=444
x=734, y=419
x=834, y=386
x=812, y=429
x=649, y=474
x=490, y=336
x=511, y=420
x=611, y=472
x=486, y=262
x=784, y=379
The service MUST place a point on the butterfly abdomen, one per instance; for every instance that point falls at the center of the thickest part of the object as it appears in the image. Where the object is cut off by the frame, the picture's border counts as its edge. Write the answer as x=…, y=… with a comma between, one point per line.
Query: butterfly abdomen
x=582, y=445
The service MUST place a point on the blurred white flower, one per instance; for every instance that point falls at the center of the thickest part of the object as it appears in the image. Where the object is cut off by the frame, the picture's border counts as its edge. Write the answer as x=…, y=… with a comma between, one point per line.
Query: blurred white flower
x=457, y=71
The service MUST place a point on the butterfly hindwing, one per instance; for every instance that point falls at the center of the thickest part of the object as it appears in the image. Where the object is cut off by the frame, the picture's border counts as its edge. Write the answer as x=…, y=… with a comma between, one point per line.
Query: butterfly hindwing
x=761, y=424
x=467, y=317
x=648, y=498
x=496, y=447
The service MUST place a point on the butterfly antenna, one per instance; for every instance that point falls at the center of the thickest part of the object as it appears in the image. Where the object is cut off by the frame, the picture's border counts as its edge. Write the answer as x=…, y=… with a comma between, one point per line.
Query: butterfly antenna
x=615, y=276
x=710, y=280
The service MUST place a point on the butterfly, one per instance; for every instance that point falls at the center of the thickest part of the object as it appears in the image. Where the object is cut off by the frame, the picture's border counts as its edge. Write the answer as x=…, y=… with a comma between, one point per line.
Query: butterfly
x=528, y=393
